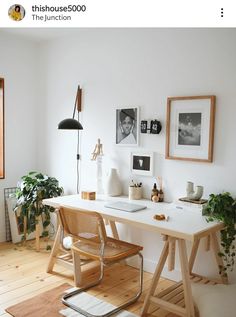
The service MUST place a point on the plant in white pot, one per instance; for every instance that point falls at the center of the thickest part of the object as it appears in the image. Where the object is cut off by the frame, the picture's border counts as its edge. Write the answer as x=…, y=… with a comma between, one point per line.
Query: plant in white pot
x=35, y=187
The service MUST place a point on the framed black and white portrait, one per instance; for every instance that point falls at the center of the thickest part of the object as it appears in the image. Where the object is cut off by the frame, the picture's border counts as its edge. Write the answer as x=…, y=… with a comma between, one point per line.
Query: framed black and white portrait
x=190, y=128
x=127, y=127
x=142, y=163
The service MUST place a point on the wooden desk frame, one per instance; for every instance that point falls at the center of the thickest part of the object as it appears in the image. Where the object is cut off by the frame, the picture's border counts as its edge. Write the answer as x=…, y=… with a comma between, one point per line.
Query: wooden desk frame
x=187, y=274
x=172, y=239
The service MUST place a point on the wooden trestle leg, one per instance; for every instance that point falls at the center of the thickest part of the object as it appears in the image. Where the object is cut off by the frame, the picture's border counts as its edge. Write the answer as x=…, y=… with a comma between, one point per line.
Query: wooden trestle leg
x=188, y=310
x=114, y=229
x=193, y=254
x=188, y=298
x=55, y=250
x=155, y=278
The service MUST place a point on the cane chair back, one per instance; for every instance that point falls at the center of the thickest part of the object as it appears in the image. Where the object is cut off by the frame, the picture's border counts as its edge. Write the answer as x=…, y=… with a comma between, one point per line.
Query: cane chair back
x=82, y=225
x=91, y=241
x=89, y=230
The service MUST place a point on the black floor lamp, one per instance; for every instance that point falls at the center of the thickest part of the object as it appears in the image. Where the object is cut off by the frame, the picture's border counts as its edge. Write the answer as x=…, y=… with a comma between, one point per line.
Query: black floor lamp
x=73, y=124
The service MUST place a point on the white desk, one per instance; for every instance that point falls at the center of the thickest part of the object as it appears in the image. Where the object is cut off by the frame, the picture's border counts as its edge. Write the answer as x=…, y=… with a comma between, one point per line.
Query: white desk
x=184, y=225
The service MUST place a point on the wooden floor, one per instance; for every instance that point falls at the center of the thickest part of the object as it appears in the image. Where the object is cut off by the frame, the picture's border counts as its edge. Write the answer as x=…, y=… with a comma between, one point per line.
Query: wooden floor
x=23, y=275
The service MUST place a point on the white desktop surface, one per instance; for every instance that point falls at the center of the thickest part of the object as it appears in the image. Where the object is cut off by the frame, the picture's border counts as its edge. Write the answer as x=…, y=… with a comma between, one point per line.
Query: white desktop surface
x=186, y=223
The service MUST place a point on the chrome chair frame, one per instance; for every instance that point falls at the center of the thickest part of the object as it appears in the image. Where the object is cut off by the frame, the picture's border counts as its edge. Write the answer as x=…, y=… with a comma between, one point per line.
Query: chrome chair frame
x=102, y=264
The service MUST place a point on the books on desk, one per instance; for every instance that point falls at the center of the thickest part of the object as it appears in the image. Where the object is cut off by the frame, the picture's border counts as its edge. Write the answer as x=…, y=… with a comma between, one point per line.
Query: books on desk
x=124, y=206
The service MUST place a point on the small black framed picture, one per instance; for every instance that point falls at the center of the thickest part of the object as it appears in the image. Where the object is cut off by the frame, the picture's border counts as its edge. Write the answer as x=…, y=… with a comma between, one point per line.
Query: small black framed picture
x=142, y=163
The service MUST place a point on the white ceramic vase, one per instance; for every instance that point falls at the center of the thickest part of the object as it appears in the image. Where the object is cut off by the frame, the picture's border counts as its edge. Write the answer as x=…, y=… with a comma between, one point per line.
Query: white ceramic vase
x=189, y=189
x=191, y=194
x=113, y=184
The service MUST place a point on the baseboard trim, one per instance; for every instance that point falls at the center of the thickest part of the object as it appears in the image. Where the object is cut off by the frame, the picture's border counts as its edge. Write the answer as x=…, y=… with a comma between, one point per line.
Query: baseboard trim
x=150, y=266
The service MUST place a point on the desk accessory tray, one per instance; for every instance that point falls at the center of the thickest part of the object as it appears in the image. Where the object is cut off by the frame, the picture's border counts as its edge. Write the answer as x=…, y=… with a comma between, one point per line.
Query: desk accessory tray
x=199, y=202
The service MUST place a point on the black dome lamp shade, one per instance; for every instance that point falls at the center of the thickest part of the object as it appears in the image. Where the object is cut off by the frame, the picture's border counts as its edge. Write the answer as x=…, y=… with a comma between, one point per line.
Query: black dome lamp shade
x=72, y=123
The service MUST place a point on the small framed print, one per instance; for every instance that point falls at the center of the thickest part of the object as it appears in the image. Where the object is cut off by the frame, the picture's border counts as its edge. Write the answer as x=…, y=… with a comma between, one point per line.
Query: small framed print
x=142, y=163
x=127, y=127
x=190, y=128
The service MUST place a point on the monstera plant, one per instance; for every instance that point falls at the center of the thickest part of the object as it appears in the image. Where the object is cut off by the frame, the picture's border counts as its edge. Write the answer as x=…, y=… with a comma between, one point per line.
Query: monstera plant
x=32, y=189
x=222, y=207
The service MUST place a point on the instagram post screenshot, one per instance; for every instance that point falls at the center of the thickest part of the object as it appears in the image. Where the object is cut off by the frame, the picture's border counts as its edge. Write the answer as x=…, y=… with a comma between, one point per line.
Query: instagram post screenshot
x=117, y=158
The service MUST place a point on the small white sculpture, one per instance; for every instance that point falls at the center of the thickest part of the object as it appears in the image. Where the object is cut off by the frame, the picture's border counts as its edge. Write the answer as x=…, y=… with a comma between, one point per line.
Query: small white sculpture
x=191, y=194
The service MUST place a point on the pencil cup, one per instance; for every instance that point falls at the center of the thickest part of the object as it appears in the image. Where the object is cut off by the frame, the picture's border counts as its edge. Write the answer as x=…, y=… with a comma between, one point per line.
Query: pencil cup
x=135, y=192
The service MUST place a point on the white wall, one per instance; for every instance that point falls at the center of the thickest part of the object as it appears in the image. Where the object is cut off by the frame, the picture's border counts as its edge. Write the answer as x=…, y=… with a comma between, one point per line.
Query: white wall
x=139, y=67
x=19, y=69
x=131, y=67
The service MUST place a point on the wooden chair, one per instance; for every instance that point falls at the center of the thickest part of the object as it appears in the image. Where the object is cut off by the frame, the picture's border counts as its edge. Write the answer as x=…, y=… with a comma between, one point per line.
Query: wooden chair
x=92, y=242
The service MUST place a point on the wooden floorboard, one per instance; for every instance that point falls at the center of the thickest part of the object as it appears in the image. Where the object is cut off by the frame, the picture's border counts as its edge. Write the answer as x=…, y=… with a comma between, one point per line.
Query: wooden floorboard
x=23, y=275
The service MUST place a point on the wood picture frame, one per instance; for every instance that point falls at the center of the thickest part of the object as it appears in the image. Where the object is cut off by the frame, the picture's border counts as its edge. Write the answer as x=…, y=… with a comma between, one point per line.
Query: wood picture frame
x=141, y=163
x=190, y=128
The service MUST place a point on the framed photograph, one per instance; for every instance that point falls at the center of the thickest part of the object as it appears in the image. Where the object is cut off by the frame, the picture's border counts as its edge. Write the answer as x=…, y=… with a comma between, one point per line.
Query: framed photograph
x=142, y=163
x=190, y=128
x=127, y=126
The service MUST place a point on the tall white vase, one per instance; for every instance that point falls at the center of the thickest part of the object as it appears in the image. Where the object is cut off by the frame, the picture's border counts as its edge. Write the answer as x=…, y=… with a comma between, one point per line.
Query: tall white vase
x=99, y=175
x=113, y=184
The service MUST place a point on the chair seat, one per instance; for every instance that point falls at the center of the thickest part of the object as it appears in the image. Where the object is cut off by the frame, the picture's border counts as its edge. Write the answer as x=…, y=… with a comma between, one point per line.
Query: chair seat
x=114, y=249
x=92, y=241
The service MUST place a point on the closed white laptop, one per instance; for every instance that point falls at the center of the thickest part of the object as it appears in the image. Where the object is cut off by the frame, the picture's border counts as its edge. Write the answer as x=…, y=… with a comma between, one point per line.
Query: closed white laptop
x=124, y=206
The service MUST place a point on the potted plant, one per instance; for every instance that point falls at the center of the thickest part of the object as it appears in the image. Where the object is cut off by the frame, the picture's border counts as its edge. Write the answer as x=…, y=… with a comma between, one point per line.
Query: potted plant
x=32, y=189
x=222, y=207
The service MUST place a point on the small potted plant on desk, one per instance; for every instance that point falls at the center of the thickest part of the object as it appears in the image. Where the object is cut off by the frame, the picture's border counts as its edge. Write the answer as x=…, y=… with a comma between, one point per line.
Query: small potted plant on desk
x=222, y=207
x=33, y=188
